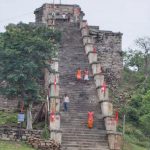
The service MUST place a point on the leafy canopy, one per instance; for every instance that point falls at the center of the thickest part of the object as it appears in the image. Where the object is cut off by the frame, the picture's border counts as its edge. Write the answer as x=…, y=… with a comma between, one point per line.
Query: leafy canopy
x=24, y=51
x=137, y=80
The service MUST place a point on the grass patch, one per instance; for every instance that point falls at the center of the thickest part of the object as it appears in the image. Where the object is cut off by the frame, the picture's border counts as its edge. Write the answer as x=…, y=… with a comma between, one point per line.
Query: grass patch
x=9, y=145
x=132, y=143
x=129, y=146
x=8, y=118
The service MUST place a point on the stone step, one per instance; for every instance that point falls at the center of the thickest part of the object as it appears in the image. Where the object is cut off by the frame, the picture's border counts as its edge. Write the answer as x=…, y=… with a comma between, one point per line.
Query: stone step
x=73, y=148
x=85, y=136
x=98, y=135
x=83, y=96
x=86, y=145
x=83, y=148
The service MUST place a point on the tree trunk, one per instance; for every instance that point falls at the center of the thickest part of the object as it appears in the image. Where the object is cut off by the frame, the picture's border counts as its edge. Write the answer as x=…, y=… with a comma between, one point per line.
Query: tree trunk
x=29, y=117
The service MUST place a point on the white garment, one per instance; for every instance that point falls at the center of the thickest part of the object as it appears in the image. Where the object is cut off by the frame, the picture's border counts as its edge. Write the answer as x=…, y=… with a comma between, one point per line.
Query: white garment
x=64, y=16
x=66, y=99
x=86, y=77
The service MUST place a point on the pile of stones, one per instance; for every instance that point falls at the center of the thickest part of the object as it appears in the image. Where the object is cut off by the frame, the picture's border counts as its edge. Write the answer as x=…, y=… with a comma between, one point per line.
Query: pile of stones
x=42, y=144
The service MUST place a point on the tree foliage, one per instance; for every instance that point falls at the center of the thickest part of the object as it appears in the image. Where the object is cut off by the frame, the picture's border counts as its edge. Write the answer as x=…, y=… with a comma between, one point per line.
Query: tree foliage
x=137, y=77
x=24, y=51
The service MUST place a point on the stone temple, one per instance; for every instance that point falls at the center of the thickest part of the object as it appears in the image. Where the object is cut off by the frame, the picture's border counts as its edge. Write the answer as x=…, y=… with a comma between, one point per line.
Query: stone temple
x=85, y=47
x=82, y=46
x=107, y=43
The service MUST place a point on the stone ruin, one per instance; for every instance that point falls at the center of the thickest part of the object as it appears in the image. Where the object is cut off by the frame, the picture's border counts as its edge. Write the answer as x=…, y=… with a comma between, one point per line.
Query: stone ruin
x=107, y=43
x=104, y=53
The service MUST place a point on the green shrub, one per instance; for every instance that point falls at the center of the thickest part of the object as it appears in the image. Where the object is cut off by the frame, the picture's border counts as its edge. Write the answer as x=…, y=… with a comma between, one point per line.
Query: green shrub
x=46, y=133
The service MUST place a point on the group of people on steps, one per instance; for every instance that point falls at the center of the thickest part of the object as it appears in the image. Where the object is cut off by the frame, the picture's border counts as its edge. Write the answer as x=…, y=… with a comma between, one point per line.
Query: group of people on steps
x=82, y=74
x=79, y=76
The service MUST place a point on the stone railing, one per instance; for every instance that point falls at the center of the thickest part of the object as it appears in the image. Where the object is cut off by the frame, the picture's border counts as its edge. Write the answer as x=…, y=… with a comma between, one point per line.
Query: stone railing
x=32, y=137
x=114, y=138
x=52, y=84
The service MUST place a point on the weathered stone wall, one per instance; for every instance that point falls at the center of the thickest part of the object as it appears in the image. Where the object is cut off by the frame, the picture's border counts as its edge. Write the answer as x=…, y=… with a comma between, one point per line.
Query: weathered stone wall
x=46, y=13
x=32, y=137
x=107, y=43
x=109, y=48
x=15, y=134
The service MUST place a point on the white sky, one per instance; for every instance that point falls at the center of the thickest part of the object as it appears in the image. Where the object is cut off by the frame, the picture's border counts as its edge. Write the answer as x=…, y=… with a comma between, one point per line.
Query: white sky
x=131, y=17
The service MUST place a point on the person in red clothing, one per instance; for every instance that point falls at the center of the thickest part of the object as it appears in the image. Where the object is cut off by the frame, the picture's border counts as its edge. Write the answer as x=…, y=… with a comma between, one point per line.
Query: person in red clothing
x=79, y=74
x=86, y=75
x=90, y=119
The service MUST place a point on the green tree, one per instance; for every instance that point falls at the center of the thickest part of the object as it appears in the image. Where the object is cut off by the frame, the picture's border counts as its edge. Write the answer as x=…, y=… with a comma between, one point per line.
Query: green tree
x=24, y=51
x=144, y=45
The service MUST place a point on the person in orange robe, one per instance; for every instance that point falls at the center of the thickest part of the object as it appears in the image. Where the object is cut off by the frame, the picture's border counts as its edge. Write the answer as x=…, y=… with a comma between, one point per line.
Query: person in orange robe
x=78, y=74
x=90, y=119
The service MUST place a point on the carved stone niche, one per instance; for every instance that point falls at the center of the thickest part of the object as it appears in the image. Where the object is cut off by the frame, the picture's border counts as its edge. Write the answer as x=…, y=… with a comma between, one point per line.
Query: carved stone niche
x=54, y=90
x=83, y=24
x=54, y=65
x=96, y=68
x=55, y=123
x=103, y=95
x=107, y=108
x=92, y=56
x=115, y=140
x=110, y=123
x=54, y=104
x=85, y=31
x=54, y=77
x=56, y=136
x=88, y=48
x=87, y=39
x=99, y=80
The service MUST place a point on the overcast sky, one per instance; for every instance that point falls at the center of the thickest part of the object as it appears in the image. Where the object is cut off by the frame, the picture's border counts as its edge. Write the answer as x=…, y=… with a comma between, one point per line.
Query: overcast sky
x=131, y=17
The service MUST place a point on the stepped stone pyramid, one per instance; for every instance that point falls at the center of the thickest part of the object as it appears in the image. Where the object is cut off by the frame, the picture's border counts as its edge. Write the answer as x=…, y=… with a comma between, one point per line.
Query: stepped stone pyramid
x=89, y=47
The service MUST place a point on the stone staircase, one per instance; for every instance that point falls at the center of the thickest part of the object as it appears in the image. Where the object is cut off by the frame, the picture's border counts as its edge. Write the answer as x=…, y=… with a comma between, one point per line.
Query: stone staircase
x=83, y=96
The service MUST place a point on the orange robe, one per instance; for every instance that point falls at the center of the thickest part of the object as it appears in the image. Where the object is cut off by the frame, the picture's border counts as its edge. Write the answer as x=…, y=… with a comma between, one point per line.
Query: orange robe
x=78, y=74
x=90, y=119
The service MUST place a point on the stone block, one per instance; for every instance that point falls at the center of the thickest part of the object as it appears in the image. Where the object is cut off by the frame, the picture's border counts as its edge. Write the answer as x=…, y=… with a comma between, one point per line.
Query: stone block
x=55, y=123
x=110, y=123
x=107, y=108
x=11, y=137
x=53, y=77
x=115, y=140
x=56, y=136
x=5, y=137
x=92, y=56
x=103, y=95
x=99, y=80
x=88, y=39
x=54, y=90
x=85, y=31
x=54, y=105
x=88, y=48
x=24, y=137
x=42, y=143
x=96, y=68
